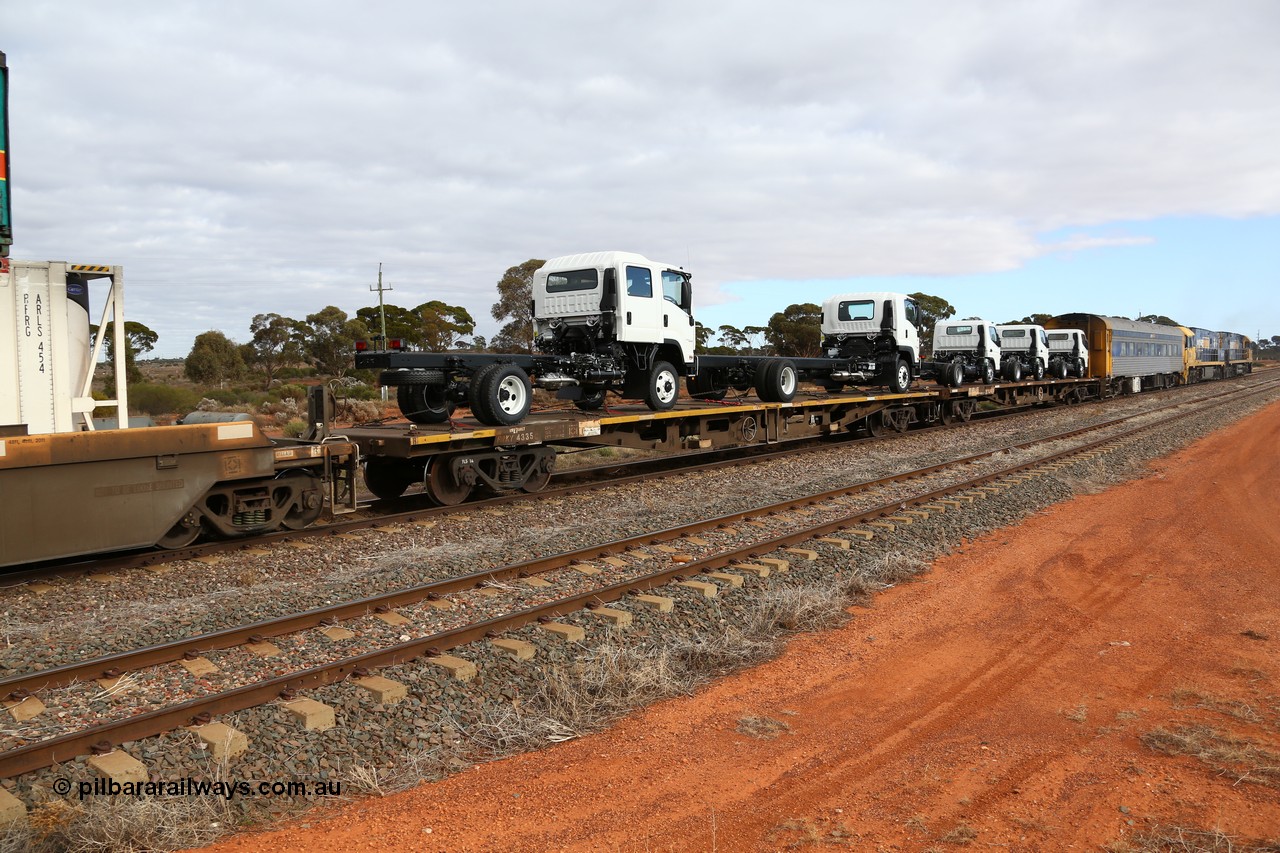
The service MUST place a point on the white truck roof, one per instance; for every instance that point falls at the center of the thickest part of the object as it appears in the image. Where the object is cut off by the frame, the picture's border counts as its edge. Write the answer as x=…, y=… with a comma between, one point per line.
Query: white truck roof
x=600, y=260
x=833, y=325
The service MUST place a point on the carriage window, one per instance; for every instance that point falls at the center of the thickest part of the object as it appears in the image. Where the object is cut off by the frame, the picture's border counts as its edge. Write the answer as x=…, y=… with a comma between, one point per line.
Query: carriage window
x=959, y=330
x=559, y=282
x=860, y=310
x=639, y=282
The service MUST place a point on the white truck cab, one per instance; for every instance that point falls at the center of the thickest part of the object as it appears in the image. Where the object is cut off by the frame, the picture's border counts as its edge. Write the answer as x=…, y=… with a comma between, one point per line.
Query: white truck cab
x=966, y=349
x=582, y=301
x=1025, y=348
x=878, y=332
x=1069, y=347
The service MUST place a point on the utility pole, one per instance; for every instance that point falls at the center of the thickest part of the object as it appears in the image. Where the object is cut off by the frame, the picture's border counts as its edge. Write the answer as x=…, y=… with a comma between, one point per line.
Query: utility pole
x=382, y=314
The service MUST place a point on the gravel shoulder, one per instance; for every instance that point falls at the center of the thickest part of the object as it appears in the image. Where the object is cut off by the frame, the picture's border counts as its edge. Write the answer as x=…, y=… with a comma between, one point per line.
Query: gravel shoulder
x=1042, y=687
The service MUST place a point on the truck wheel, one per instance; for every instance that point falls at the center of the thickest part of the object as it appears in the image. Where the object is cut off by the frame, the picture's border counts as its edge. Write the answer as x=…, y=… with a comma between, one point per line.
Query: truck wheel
x=424, y=404
x=1060, y=369
x=663, y=388
x=703, y=387
x=953, y=374
x=780, y=380
x=1039, y=370
x=900, y=380
x=1080, y=367
x=500, y=395
x=1013, y=370
x=988, y=372
x=591, y=401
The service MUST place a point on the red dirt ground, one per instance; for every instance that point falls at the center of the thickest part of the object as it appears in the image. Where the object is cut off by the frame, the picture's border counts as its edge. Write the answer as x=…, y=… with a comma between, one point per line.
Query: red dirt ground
x=997, y=700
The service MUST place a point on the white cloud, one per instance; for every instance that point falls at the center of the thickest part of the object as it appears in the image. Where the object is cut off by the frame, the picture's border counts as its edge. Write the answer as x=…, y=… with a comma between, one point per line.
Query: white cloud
x=245, y=157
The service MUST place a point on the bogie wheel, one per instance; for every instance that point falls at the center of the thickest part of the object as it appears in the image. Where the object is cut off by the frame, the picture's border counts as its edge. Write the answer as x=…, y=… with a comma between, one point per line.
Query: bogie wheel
x=875, y=425
x=501, y=395
x=900, y=380
x=182, y=534
x=441, y=485
x=306, y=500
x=388, y=478
x=591, y=401
x=424, y=404
x=962, y=410
x=946, y=414
x=662, y=388
x=1038, y=371
x=988, y=372
x=954, y=374
x=781, y=380
x=540, y=476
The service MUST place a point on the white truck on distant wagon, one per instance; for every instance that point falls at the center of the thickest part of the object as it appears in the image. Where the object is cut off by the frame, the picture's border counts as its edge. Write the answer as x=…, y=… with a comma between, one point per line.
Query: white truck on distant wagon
x=1025, y=349
x=1070, y=349
x=966, y=350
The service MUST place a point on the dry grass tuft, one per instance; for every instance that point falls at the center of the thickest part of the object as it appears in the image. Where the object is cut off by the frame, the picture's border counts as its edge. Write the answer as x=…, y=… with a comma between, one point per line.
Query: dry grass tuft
x=1230, y=707
x=962, y=834
x=764, y=728
x=120, y=824
x=1178, y=839
x=1241, y=758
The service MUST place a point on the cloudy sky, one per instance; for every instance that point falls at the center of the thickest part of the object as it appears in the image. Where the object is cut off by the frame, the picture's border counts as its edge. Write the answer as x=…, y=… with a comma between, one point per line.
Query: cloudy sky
x=1062, y=155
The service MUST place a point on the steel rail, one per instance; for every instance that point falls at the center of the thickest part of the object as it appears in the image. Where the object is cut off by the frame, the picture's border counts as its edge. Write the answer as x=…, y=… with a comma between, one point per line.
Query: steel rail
x=737, y=456
x=113, y=665
x=65, y=747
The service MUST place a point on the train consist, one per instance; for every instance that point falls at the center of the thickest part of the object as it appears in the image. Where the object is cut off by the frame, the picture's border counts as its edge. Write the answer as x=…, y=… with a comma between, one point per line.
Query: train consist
x=607, y=323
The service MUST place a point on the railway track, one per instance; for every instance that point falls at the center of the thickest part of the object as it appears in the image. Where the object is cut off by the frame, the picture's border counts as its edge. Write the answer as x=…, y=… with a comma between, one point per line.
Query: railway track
x=706, y=556
x=575, y=481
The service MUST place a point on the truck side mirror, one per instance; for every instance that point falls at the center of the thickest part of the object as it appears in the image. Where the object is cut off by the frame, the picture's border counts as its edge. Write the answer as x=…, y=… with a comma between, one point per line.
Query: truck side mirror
x=686, y=296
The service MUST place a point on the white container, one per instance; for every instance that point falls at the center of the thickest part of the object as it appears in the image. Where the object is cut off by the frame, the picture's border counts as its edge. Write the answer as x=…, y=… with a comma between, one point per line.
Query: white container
x=44, y=346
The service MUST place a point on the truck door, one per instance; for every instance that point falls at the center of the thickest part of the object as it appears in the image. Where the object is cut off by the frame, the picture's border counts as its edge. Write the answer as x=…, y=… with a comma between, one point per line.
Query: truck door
x=677, y=312
x=640, y=306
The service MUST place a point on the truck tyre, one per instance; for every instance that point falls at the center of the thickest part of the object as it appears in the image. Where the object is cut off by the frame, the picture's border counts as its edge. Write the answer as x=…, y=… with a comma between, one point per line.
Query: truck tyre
x=663, y=387
x=761, y=380
x=500, y=395
x=1013, y=370
x=1080, y=367
x=1038, y=370
x=591, y=401
x=424, y=404
x=417, y=376
x=953, y=374
x=1060, y=369
x=988, y=371
x=900, y=379
x=703, y=387
x=780, y=381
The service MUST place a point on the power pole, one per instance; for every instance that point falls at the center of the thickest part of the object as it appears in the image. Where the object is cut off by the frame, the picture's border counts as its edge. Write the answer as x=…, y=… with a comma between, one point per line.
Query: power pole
x=382, y=314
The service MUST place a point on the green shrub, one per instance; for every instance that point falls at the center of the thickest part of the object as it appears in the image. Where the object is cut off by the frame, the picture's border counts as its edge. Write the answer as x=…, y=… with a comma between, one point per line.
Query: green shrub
x=295, y=428
x=149, y=398
x=291, y=392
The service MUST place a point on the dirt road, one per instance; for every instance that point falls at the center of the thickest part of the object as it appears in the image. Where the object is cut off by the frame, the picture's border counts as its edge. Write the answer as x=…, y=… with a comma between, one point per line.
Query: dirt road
x=1001, y=700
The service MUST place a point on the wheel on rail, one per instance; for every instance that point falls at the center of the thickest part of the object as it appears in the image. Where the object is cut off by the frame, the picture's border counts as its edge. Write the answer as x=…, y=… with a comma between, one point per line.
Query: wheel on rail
x=299, y=496
x=501, y=395
x=537, y=481
x=900, y=378
x=988, y=371
x=781, y=380
x=662, y=388
x=424, y=404
x=591, y=401
x=953, y=374
x=182, y=534
x=441, y=485
x=874, y=424
x=946, y=414
x=388, y=478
